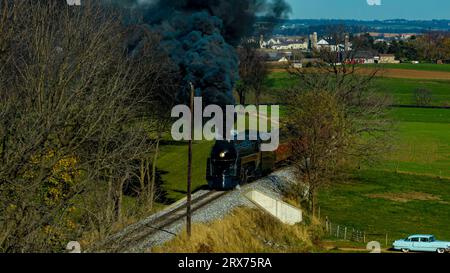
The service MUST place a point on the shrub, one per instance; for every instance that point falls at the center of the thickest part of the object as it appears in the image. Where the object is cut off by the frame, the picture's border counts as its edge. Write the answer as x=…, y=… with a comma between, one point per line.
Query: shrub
x=422, y=96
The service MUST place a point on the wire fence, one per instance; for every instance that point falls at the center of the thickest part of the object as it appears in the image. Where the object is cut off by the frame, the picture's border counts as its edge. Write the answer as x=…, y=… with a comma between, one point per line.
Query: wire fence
x=341, y=232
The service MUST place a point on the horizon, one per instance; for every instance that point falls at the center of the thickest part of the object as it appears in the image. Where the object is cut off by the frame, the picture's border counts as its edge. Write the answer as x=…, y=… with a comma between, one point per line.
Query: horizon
x=363, y=11
x=364, y=20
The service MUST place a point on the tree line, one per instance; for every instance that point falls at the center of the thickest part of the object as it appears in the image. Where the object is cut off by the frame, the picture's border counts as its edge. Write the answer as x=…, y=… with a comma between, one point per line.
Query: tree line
x=431, y=47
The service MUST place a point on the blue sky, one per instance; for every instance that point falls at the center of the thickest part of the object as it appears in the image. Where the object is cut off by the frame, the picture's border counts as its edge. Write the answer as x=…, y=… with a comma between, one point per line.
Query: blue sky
x=361, y=10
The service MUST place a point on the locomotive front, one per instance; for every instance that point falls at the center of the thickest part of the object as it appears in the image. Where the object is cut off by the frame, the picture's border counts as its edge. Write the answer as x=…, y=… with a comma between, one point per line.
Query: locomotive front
x=222, y=172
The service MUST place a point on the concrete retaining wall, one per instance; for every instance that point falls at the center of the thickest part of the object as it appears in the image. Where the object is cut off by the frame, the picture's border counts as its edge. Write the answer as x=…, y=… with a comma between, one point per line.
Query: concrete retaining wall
x=277, y=208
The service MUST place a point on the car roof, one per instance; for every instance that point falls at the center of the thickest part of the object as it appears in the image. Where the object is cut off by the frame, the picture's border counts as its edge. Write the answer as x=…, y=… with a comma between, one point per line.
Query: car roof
x=421, y=235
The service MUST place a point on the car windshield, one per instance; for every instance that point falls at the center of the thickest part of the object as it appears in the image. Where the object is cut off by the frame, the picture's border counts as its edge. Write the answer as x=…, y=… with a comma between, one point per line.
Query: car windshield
x=432, y=239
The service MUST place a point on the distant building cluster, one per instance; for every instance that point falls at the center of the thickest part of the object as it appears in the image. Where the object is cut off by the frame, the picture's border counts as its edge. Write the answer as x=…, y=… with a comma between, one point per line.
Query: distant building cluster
x=368, y=57
x=288, y=49
x=287, y=43
x=305, y=43
x=389, y=37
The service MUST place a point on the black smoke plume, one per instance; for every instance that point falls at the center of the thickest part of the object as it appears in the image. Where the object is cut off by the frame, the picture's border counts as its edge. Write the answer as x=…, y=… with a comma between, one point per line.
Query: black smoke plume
x=200, y=35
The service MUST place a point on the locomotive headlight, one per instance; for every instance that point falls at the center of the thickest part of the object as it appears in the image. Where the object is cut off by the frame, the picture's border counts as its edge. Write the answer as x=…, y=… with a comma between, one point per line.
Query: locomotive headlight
x=222, y=154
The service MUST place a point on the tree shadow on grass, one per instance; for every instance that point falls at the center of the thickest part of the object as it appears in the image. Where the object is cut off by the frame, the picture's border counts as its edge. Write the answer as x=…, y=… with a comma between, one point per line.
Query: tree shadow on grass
x=133, y=188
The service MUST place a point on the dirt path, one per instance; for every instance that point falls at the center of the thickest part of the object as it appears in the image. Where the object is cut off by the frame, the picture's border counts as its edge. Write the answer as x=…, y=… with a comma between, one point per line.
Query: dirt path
x=344, y=247
x=399, y=73
x=412, y=74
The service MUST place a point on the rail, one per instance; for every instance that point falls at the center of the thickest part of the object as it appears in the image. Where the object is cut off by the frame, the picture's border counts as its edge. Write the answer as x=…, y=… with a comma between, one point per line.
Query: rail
x=135, y=234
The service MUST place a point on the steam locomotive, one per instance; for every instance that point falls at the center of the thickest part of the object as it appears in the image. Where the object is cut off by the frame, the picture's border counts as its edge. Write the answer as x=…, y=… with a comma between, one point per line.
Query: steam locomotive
x=236, y=162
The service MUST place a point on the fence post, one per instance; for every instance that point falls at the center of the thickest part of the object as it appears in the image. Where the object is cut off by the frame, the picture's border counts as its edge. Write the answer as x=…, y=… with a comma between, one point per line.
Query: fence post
x=364, y=237
x=337, y=234
x=345, y=234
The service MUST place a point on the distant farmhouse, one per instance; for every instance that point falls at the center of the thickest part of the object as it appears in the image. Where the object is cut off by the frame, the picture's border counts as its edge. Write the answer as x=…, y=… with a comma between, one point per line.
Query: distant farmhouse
x=290, y=43
x=370, y=57
x=280, y=49
x=388, y=59
x=363, y=57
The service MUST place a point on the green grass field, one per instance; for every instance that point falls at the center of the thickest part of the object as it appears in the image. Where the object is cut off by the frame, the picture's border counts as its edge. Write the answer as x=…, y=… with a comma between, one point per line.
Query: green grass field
x=422, y=142
x=409, y=192
x=420, y=115
x=280, y=81
x=386, y=202
x=402, y=90
x=173, y=167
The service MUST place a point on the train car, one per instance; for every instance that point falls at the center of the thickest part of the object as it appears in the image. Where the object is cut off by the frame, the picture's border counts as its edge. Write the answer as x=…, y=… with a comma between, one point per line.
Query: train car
x=233, y=163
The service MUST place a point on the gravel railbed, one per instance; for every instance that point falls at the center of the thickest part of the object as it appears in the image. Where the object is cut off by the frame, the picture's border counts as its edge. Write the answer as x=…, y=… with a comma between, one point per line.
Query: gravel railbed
x=271, y=185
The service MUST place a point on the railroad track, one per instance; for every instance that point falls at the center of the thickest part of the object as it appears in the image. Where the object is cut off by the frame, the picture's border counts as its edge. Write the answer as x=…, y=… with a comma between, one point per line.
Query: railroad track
x=136, y=234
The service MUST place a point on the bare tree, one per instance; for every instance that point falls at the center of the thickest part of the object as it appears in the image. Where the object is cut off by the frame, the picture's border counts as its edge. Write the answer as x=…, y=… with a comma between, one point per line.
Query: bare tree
x=71, y=110
x=316, y=123
x=334, y=117
x=253, y=71
x=160, y=83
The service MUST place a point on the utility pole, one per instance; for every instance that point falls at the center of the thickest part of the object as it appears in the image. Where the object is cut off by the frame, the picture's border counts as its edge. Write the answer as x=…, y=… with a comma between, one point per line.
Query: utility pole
x=189, y=176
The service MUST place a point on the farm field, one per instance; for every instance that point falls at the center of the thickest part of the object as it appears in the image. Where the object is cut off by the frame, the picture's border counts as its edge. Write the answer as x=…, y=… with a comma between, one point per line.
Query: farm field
x=422, y=142
x=381, y=202
x=399, y=71
x=412, y=74
x=409, y=192
x=411, y=71
x=401, y=90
